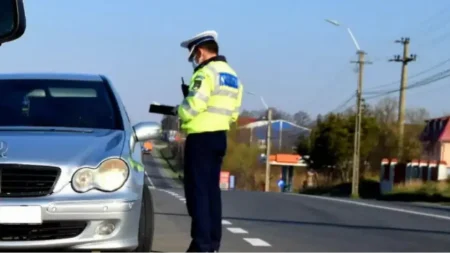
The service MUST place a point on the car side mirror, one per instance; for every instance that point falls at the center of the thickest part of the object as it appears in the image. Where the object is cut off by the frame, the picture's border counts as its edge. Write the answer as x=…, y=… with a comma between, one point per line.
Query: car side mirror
x=12, y=20
x=145, y=131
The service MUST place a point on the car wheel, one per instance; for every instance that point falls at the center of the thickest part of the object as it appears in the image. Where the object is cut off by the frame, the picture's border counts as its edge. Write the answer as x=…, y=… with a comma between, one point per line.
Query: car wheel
x=146, y=222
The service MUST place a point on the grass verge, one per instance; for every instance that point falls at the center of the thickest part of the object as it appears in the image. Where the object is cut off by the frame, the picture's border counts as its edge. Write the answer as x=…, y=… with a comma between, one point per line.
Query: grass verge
x=434, y=192
x=170, y=163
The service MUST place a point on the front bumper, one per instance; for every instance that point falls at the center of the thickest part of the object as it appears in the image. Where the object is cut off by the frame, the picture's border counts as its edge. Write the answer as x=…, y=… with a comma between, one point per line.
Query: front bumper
x=71, y=222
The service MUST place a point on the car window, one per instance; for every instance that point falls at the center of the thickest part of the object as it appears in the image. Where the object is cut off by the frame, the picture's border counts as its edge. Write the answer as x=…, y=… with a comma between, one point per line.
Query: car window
x=58, y=103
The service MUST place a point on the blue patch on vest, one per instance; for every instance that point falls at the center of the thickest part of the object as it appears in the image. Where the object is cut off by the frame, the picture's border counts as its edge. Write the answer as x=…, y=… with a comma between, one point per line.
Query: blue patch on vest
x=229, y=80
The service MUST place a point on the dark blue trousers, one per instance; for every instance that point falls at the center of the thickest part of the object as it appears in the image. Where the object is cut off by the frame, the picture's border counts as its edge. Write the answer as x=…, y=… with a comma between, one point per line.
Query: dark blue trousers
x=203, y=157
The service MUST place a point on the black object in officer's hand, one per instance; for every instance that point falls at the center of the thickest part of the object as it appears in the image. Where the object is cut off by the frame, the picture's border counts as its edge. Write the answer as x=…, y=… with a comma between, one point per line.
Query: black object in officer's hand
x=163, y=109
x=184, y=88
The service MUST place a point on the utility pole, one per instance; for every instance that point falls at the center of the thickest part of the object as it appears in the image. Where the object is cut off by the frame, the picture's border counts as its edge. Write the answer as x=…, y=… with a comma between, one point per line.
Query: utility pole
x=268, y=145
x=280, y=136
x=401, y=105
x=357, y=138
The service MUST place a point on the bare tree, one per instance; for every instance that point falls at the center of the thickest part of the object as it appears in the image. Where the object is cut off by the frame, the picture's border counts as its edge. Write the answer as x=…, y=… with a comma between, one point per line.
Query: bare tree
x=385, y=111
x=280, y=114
x=302, y=118
x=417, y=115
x=445, y=113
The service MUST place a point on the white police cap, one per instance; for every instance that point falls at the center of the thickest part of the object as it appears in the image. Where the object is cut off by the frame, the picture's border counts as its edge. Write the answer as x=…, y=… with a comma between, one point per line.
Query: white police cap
x=193, y=42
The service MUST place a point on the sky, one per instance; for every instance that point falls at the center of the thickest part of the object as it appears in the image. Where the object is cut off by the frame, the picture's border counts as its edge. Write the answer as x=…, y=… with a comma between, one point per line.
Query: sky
x=281, y=50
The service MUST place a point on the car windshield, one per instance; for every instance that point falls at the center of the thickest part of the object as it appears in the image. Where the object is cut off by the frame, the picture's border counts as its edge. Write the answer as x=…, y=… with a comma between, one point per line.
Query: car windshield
x=58, y=103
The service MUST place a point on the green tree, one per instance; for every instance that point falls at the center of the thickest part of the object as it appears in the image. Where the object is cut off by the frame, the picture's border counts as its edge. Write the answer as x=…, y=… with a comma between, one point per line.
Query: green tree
x=241, y=160
x=303, y=146
x=330, y=145
x=385, y=112
x=302, y=118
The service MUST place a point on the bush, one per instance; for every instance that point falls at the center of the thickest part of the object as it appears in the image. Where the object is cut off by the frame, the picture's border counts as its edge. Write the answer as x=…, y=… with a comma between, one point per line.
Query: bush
x=242, y=161
x=424, y=188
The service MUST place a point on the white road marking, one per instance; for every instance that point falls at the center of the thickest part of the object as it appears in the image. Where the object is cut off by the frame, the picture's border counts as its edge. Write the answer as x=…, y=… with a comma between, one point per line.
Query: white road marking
x=225, y=222
x=237, y=231
x=401, y=210
x=149, y=180
x=257, y=242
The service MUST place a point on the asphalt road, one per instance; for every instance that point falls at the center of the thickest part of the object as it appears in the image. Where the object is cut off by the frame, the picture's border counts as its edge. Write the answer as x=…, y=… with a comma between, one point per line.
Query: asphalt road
x=276, y=222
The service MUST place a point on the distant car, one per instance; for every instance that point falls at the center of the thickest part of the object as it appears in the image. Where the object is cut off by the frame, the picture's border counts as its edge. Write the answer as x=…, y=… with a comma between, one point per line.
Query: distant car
x=70, y=166
x=147, y=147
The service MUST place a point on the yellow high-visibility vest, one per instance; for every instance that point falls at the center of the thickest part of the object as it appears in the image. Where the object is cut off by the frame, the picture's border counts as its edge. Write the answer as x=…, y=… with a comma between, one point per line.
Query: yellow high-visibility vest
x=214, y=100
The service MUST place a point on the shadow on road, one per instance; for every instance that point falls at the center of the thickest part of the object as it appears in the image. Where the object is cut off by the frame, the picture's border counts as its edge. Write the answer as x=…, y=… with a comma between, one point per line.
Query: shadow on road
x=435, y=208
x=323, y=224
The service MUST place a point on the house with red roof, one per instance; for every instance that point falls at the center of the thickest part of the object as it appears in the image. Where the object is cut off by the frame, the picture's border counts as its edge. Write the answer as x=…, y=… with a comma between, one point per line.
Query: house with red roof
x=436, y=139
x=242, y=121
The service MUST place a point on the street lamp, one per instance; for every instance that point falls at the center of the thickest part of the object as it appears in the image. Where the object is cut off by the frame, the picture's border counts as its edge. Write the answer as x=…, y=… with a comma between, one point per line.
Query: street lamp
x=268, y=137
x=260, y=97
x=336, y=23
x=357, y=138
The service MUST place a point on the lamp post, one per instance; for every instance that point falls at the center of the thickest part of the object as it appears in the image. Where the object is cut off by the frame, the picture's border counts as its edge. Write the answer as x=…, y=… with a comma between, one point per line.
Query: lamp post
x=336, y=23
x=357, y=137
x=268, y=139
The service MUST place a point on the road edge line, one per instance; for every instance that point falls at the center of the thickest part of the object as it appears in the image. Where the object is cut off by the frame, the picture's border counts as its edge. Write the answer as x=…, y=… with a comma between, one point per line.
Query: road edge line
x=395, y=209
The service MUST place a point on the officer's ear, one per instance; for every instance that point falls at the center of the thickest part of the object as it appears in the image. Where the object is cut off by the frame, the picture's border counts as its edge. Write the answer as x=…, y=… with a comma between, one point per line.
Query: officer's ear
x=198, y=52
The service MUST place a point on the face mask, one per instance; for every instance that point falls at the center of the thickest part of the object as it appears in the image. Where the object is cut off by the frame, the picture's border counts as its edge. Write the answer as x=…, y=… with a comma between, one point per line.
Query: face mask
x=194, y=62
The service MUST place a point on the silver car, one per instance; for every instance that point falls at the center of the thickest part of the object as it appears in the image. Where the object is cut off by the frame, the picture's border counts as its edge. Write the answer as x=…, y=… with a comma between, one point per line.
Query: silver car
x=71, y=175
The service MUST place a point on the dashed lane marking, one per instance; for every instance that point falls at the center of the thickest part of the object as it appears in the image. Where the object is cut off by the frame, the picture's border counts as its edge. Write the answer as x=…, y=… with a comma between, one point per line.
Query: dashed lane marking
x=256, y=242
x=225, y=222
x=237, y=231
x=149, y=180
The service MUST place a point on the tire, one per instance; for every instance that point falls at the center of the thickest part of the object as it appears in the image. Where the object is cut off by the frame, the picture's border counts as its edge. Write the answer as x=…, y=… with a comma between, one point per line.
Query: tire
x=146, y=222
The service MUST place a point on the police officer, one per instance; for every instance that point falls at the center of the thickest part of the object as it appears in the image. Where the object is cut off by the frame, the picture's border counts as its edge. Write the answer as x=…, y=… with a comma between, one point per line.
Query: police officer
x=211, y=104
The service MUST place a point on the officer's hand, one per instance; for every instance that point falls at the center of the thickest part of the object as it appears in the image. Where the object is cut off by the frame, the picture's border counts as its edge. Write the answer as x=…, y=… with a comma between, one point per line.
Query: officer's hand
x=185, y=89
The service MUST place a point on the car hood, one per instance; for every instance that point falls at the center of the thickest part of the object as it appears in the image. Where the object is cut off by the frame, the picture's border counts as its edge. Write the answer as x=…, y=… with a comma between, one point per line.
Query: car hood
x=64, y=149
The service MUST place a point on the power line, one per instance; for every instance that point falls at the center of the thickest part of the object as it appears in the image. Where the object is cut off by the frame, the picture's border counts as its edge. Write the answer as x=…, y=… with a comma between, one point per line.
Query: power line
x=432, y=29
x=434, y=16
x=426, y=81
x=442, y=63
x=430, y=25
x=324, y=86
x=345, y=103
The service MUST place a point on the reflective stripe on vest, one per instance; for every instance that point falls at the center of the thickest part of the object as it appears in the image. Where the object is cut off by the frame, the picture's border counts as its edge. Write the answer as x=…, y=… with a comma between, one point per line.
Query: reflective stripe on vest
x=222, y=93
x=217, y=91
x=187, y=107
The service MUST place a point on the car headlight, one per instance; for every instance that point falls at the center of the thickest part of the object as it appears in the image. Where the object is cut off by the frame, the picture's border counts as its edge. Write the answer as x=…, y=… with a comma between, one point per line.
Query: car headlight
x=110, y=176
